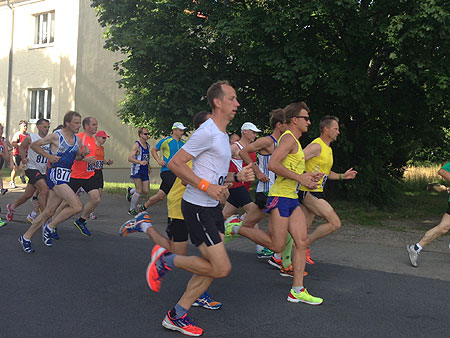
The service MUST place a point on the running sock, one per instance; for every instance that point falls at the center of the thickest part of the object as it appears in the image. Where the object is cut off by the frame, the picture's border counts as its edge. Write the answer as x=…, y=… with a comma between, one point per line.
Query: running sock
x=177, y=312
x=235, y=229
x=276, y=256
x=134, y=200
x=168, y=259
x=145, y=226
x=33, y=214
x=286, y=255
x=418, y=247
x=297, y=289
x=259, y=248
x=132, y=191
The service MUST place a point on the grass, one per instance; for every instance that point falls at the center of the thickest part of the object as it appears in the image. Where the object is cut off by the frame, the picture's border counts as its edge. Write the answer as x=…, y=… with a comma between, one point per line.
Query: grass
x=414, y=201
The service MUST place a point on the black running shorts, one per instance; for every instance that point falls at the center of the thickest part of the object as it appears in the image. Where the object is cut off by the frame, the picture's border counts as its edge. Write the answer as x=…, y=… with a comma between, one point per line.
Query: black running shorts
x=34, y=175
x=239, y=197
x=177, y=230
x=168, y=179
x=203, y=224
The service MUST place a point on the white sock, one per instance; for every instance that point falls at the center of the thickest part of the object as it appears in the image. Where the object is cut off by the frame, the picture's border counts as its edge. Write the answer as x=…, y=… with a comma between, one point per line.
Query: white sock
x=145, y=226
x=33, y=214
x=134, y=200
x=297, y=289
x=259, y=247
x=276, y=256
x=132, y=191
x=420, y=247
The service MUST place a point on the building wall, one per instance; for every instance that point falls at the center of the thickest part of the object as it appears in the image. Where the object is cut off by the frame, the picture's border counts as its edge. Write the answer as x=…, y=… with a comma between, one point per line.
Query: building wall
x=5, y=43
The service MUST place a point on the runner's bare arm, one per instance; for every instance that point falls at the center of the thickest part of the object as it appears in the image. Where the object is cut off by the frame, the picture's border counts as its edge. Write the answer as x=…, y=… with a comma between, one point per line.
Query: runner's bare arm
x=350, y=174
x=445, y=174
x=51, y=139
x=15, y=139
x=23, y=149
x=312, y=150
x=154, y=153
x=134, y=151
x=235, y=151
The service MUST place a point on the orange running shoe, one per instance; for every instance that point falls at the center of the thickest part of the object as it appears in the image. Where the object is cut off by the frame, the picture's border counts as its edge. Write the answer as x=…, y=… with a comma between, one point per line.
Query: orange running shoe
x=289, y=272
x=184, y=324
x=308, y=257
x=157, y=268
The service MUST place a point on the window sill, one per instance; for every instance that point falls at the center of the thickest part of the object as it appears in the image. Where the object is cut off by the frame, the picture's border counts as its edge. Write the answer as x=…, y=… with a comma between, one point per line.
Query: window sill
x=41, y=46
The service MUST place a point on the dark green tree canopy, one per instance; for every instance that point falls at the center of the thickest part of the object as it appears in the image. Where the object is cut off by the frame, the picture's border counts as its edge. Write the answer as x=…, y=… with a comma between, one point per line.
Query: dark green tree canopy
x=382, y=67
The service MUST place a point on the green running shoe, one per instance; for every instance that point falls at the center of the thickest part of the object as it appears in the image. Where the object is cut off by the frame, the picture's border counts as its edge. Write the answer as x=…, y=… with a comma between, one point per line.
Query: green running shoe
x=229, y=223
x=304, y=297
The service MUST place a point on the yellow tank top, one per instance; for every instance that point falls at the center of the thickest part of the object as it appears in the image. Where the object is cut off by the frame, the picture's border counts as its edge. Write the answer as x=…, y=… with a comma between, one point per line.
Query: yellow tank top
x=285, y=187
x=174, y=198
x=322, y=163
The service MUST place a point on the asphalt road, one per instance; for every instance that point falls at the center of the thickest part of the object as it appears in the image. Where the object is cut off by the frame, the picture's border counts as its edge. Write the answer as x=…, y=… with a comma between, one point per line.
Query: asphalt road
x=95, y=287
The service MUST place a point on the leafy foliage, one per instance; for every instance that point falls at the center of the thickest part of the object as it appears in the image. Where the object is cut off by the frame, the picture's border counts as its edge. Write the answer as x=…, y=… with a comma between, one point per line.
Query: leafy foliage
x=381, y=66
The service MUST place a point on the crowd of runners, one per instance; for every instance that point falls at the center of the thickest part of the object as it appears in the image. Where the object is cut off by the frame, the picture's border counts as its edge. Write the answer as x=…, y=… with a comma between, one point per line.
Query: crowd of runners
x=206, y=181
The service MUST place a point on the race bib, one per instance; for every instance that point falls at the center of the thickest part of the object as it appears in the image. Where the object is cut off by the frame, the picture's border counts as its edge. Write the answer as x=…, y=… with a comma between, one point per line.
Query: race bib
x=99, y=164
x=145, y=157
x=62, y=174
x=41, y=159
x=325, y=177
x=91, y=166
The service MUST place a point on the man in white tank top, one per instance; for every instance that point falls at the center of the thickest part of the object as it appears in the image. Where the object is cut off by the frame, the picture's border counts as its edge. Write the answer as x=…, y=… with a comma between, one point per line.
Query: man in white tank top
x=35, y=169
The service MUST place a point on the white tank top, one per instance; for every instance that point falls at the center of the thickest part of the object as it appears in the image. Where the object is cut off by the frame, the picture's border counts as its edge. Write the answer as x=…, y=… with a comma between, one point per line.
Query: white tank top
x=36, y=161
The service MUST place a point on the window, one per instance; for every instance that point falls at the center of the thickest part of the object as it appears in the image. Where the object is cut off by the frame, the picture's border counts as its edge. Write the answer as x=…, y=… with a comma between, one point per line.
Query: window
x=40, y=104
x=44, y=32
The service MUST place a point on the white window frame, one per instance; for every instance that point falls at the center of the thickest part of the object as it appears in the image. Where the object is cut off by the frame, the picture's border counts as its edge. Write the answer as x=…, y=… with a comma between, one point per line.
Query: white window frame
x=44, y=32
x=35, y=101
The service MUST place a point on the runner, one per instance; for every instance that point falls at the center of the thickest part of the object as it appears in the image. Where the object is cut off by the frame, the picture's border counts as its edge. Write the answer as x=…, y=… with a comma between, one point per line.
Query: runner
x=168, y=147
x=17, y=160
x=4, y=157
x=65, y=148
x=442, y=228
x=100, y=139
x=209, y=150
x=83, y=171
x=288, y=163
x=139, y=156
x=177, y=231
x=35, y=169
x=319, y=158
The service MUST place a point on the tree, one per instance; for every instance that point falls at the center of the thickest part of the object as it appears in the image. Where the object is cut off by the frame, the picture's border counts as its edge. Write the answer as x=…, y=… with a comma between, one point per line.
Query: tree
x=381, y=66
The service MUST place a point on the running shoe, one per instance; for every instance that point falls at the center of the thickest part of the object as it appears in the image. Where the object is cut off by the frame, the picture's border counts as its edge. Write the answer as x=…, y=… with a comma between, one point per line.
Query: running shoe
x=22, y=178
x=229, y=223
x=207, y=302
x=26, y=245
x=275, y=262
x=304, y=297
x=3, y=191
x=82, y=227
x=30, y=218
x=134, y=224
x=308, y=257
x=157, y=268
x=183, y=324
x=12, y=184
x=132, y=212
x=413, y=255
x=289, y=272
x=128, y=195
x=47, y=235
x=264, y=253
x=10, y=214
x=92, y=216
x=55, y=234
x=2, y=223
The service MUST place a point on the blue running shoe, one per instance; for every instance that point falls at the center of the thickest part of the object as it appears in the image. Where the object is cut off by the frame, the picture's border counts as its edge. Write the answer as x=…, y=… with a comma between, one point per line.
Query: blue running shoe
x=207, y=302
x=134, y=224
x=47, y=235
x=26, y=245
x=55, y=234
x=82, y=227
x=183, y=324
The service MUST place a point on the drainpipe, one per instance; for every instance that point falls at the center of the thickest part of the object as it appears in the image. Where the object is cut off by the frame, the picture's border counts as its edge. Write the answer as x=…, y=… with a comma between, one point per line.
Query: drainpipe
x=8, y=95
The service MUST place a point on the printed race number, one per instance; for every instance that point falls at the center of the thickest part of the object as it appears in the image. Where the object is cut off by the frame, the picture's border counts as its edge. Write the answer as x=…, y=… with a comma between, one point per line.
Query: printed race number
x=90, y=167
x=41, y=159
x=62, y=174
x=99, y=164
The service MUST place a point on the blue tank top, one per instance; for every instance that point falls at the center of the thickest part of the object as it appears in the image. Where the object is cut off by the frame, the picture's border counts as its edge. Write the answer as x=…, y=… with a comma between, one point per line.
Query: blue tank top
x=67, y=152
x=144, y=155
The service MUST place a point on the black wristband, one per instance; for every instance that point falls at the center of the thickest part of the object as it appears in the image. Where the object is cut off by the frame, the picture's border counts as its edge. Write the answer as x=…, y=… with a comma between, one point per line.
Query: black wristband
x=235, y=177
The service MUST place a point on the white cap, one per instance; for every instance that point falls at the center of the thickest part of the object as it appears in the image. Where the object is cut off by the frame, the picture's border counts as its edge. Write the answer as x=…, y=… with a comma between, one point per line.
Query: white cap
x=178, y=125
x=250, y=126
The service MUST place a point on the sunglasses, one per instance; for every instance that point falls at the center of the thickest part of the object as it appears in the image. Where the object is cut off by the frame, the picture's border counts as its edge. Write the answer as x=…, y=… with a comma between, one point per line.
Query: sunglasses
x=303, y=117
x=103, y=137
x=146, y=134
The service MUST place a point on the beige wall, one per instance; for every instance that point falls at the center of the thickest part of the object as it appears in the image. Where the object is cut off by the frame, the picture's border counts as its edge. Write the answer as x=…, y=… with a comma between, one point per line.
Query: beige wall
x=76, y=66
